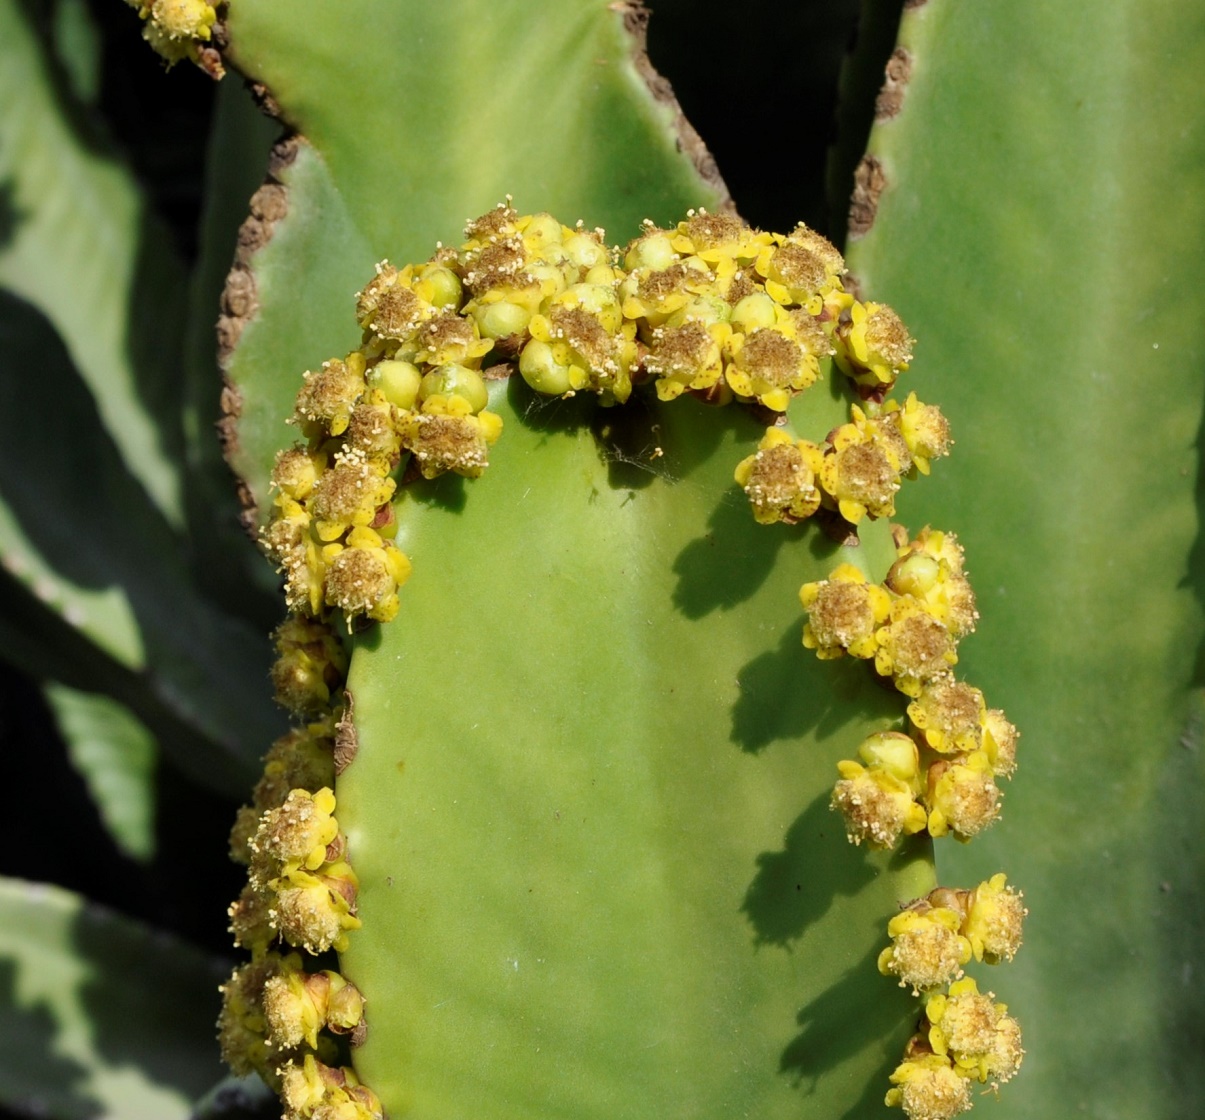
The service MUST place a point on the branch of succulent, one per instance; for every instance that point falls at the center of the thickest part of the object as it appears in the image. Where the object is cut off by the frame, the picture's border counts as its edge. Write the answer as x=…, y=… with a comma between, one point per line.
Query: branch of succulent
x=713, y=310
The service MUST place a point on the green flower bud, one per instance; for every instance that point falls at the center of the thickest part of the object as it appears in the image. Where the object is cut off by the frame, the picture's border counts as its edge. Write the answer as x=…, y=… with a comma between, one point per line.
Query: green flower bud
x=586, y=250
x=754, y=312
x=542, y=371
x=446, y=289
x=455, y=379
x=895, y=753
x=398, y=381
x=501, y=318
x=541, y=230
x=653, y=250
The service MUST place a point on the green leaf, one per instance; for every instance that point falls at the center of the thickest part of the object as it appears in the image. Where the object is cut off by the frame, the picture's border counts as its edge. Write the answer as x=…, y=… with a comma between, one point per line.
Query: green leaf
x=115, y=754
x=81, y=246
x=99, y=1016
x=1040, y=233
x=82, y=534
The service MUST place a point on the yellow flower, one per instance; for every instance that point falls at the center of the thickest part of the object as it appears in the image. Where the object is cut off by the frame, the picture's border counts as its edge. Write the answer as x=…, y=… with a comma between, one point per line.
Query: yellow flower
x=926, y=951
x=963, y=1025
x=314, y=1091
x=945, y=591
x=923, y=428
x=450, y=337
x=297, y=833
x=938, y=545
x=251, y=920
x=873, y=345
x=292, y=1015
x=877, y=806
x=586, y=336
x=302, y=758
x=314, y=910
x=446, y=436
x=183, y=19
x=688, y=356
x=295, y=472
x=363, y=575
x=310, y=662
x=914, y=647
x=844, y=613
x=242, y=1029
x=994, y=916
x=349, y=494
x=297, y=1005
x=801, y=268
x=1000, y=742
x=723, y=241
x=860, y=475
x=949, y=714
x=962, y=797
x=1004, y=1058
x=780, y=478
x=289, y=542
x=928, y=1087
x=330, y=393
x=770, y=365
x=389, y=308
x=654, y=294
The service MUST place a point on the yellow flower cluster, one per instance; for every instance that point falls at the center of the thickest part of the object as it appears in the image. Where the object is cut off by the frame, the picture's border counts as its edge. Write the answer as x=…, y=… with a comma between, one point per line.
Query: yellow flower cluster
x=177, y=29
x=941, y=776
x=315, y=1091
x=856, y=472
x=910, y=625
x=300, y=888
x=964, y=1037
x=936, y=935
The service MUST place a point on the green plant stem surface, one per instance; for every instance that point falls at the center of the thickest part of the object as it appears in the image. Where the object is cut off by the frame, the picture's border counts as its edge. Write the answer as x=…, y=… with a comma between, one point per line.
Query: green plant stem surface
x=1040, y=232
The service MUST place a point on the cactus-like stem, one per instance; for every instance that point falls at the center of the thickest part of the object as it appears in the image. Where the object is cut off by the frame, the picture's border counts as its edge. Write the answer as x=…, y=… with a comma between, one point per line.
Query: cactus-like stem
x=710, y=309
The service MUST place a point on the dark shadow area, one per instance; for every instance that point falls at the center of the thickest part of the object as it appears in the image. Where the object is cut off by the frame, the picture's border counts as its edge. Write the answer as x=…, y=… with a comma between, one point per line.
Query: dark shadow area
x=538, y=413
x=863, y=73
x=38, y=1081
x=11, y=215
x=786, y=116
x=793, y=888
x=1178, y=874
x=1177, y=899
x=66, y=484
x=628, y=440
x=788, y=692
x=150, y=1001
x=185, y=887
x=446, y=492
x=727, y=565
x=246, y=1098
x=860, y=1009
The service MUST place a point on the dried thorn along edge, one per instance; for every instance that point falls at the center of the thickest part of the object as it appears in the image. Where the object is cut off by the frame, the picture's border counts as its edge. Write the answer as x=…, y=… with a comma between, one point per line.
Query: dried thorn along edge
x=636, y=23
x=869, y=181
x=891, y=97
x=239, y=301
x=347, y=739
x=239, y=304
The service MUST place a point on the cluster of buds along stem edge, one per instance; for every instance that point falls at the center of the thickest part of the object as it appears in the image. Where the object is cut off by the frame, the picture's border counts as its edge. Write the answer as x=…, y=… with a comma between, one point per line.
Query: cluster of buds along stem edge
x=709, y=308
